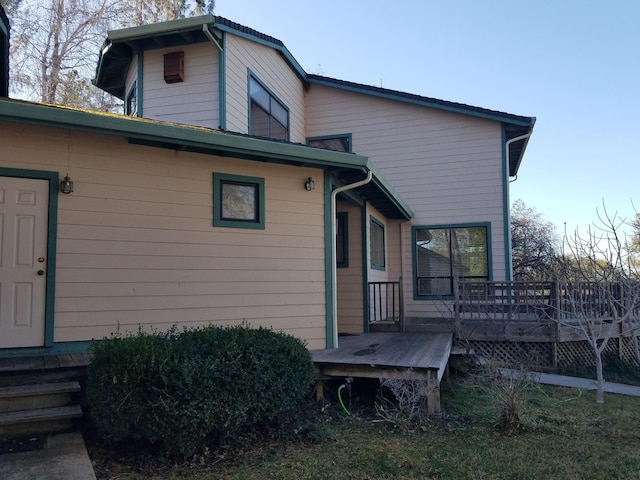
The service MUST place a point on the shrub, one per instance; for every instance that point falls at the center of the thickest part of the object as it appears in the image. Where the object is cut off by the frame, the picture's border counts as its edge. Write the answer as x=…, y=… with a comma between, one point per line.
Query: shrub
x=406, y=409
x=182, y=391
x=509, y=390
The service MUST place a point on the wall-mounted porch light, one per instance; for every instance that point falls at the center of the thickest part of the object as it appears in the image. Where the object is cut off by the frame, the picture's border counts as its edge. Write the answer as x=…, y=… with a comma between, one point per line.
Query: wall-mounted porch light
x=66, y=185
x=309, y=184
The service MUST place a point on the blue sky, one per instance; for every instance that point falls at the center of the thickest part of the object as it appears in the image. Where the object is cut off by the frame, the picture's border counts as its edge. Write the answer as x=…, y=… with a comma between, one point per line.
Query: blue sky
x=573, y=64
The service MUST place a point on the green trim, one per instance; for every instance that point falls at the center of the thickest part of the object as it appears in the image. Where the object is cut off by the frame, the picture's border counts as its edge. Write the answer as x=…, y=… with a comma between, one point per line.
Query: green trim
x=177, y=136
x=365, y=270
x=159, y=29
x=414, y=260
x=380, y=182
x=506, y=207
x=222, y=85
x=251, y=74
x=422, y=101
x=59, y=348
x=198, y=139
x=218, y=221
x=328, y=260
x=140, y=90
x=52, y=234
x=345, y=239
x=293, y=63
x=132, y=94
x=348, y=136
x=349, y=194
x=374, y=221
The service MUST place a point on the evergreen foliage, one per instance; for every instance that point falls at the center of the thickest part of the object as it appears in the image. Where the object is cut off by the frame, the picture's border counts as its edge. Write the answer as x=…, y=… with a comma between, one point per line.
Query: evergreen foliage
x=182, y=391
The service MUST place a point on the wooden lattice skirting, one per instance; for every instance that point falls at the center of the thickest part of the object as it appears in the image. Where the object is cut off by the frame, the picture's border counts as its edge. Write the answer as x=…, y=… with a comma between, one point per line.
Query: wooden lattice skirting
x=549, y=354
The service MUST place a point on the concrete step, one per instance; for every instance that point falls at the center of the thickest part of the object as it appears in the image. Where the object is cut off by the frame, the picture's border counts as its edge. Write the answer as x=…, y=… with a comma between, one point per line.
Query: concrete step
x=43, y=420
x=38, y=396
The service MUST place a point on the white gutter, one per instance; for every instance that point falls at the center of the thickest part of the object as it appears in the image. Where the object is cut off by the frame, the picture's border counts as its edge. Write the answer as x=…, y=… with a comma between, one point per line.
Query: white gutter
x=509, y=261
x=209, y=35
x=334, y=268
x=508, y=144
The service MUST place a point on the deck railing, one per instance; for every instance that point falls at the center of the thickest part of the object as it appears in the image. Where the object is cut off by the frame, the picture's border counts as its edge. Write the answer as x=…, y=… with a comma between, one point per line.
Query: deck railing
x=385, y=302
x=529, y=301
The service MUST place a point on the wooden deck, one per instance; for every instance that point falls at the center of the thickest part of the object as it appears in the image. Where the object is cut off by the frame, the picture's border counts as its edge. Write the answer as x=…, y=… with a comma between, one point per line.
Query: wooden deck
x=410, y=356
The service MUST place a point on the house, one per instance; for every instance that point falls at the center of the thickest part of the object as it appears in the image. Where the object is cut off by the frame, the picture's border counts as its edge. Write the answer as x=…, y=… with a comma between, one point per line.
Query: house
x=238, y=188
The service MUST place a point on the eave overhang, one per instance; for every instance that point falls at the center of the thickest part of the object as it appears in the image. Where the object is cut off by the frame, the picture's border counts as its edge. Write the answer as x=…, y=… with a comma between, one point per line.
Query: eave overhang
x=122, y=45
x=208, y=142
x=517, y=149
x=514, y=125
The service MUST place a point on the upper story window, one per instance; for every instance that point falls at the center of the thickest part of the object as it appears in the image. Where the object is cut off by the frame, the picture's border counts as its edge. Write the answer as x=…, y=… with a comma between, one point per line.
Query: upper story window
x=337, y=143
x=131, y=106
x=442, y=254
x=268, y=117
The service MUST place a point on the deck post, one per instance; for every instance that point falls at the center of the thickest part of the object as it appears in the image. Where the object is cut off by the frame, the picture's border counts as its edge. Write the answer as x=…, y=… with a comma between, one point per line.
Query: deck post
x=433, y=392
x=319, y=389
x=401, y=304
x=456, y=305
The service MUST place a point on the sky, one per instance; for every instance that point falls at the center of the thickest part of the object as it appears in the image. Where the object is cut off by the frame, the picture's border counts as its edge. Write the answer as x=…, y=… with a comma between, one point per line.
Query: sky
x=572, y=64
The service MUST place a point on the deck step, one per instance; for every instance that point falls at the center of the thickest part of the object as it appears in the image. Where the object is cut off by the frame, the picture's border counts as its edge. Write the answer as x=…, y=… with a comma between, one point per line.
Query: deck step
x=41, y=415
x=41, y=389
x=38, y=396
x=39, y=422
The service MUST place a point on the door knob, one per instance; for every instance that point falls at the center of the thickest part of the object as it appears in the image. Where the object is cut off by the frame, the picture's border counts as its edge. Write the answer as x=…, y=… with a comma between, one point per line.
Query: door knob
x=40, y=272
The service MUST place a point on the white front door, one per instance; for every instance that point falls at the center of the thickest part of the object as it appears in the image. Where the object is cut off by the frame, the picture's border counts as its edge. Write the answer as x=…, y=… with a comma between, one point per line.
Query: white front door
x=24, y=206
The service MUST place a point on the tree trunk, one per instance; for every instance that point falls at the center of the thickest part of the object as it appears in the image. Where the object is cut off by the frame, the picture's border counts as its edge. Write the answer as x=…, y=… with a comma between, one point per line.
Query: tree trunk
x=599, y=376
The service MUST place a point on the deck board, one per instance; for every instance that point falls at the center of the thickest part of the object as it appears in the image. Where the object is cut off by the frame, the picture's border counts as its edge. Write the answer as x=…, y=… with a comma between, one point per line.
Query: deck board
x=420, y=356
x=408, y=350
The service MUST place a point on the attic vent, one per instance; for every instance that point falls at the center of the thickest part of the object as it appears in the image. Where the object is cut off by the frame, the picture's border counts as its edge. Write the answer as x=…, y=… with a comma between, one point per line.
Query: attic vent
x=174, y=67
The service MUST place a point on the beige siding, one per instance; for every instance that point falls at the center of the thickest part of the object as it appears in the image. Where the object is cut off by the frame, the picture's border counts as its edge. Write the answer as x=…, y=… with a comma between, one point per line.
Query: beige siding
x=350, y=279
x=136, y=245
x=194, y=101
x=446, y=166
x=273, y=71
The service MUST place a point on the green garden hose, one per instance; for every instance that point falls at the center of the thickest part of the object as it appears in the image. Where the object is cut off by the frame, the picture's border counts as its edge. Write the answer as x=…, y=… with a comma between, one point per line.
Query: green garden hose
x=340, y=399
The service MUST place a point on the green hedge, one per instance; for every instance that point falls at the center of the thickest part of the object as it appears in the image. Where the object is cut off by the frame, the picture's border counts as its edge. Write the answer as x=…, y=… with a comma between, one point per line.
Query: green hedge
x=184, y=390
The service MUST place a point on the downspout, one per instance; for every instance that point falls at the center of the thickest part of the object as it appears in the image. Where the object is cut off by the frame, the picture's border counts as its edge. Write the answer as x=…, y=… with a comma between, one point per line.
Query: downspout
x=508, y=144
x=222, y=99
x=334, y=268
x=507, y=221
x=209, y=35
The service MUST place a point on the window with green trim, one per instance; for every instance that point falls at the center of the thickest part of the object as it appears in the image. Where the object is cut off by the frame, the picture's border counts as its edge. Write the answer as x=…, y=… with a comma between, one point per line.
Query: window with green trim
x=268, y=117
x=337, y=143
x=342, y=240
x=442, y=254
x=238, y=201
x=131, y=105
x=377, y=244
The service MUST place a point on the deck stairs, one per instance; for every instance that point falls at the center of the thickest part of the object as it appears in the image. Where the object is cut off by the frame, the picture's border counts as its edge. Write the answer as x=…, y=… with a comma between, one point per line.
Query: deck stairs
x=39, y=398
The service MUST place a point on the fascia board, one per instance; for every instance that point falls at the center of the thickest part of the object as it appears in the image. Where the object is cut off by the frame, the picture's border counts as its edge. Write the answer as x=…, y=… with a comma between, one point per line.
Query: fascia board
x=164, y=133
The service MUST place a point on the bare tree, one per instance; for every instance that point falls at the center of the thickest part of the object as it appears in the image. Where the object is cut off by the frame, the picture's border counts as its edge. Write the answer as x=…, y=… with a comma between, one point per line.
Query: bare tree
x=132, y=13
x=55, y=44
x=600, y=288
x=54, y=49
x=534, y=244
